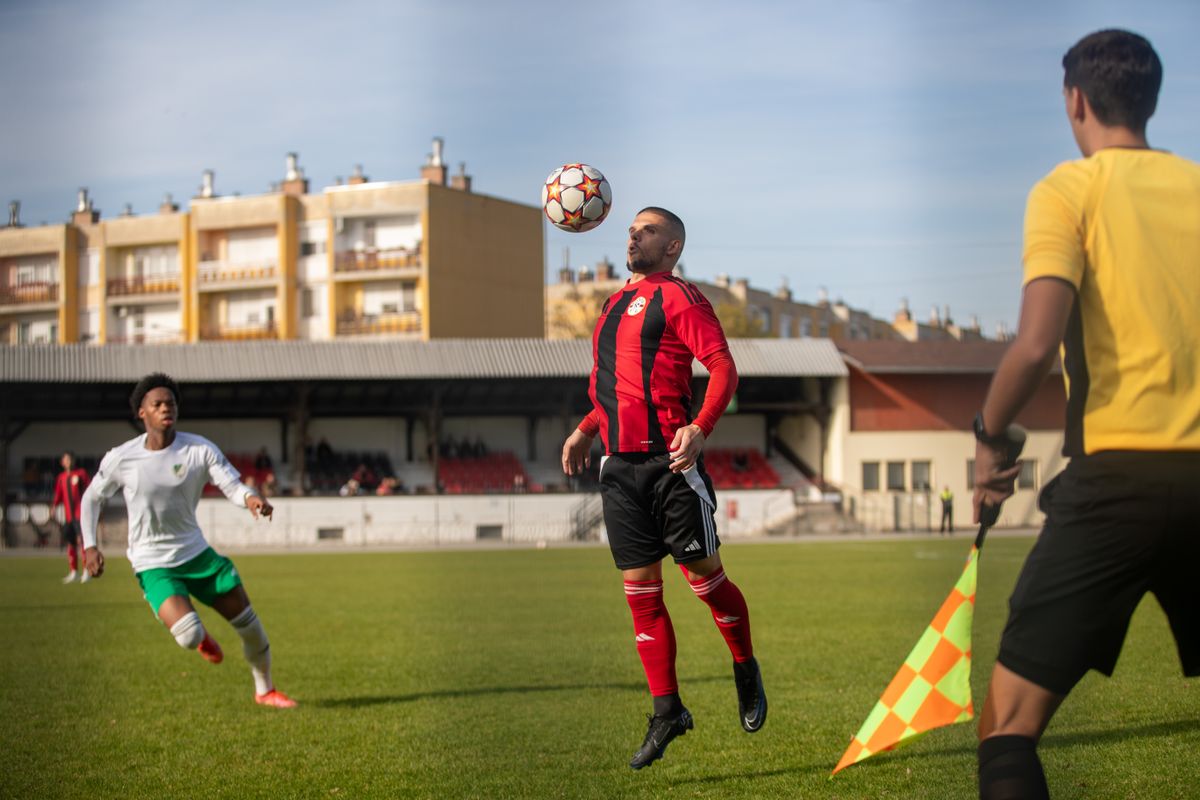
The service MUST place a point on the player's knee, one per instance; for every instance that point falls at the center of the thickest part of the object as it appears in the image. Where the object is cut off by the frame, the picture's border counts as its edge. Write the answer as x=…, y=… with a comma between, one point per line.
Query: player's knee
x=188, y=631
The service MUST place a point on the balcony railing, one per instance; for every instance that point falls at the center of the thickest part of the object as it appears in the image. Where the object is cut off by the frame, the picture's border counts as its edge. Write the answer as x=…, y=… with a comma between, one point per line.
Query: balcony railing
x=352, y=325
x=42, y=292
x=220, y=272
x=236, y=333
x=154, y=337
x=372, y=260
x=155, y=284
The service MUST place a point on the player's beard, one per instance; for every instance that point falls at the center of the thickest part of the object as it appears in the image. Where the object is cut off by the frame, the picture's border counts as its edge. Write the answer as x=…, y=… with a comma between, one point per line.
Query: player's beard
x=644, y=262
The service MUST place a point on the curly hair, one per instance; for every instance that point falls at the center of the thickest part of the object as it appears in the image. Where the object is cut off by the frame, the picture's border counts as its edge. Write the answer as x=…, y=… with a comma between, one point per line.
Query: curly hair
x=155, y=380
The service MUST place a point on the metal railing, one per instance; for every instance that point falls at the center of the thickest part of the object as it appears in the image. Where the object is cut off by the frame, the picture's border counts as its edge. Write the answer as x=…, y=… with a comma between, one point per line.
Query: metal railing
x=42, y=292
x=368, y=260
x=236, y=333
x=406, y=322
x=221, y=272
x=154, y=284
x=155, y=337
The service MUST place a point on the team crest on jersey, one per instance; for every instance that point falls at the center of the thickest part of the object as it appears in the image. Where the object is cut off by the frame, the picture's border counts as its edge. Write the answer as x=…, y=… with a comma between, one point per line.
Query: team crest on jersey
x=636, y=307
x=177, y=469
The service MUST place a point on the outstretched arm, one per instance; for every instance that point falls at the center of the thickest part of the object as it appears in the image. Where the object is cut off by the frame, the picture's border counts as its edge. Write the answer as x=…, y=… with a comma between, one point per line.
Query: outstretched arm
x=105, y=485
x=228, y=480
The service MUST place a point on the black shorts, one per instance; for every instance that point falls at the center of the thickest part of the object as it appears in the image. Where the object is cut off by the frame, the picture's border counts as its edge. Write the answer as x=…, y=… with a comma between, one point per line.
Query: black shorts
x=1118, y=525
x=70, y=533
x=650, y=511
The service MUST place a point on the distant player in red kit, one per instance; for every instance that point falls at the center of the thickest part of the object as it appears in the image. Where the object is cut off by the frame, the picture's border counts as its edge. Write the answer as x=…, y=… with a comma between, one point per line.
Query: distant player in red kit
x=658, y=500
x=68, y=490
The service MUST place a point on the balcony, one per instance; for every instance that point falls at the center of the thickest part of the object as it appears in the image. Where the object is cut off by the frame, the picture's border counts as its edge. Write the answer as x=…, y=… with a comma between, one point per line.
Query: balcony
x=218, y=275
x=375, y=324
x=393, y=261
x=157, y=284
x=25, y=294
x=154, y=337
x=238, y=333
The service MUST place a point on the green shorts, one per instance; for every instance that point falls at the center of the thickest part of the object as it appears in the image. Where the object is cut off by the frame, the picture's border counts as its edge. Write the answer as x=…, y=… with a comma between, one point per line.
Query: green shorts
x=206, y=577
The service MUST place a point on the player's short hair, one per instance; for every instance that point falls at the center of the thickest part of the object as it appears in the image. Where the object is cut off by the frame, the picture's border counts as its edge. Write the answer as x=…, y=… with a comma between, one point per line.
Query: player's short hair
x=673, y=219
x=155, y=380
x=1120, y=75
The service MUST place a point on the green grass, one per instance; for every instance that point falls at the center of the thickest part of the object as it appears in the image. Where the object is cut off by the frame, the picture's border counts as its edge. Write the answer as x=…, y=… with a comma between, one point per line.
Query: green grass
x=513, y=674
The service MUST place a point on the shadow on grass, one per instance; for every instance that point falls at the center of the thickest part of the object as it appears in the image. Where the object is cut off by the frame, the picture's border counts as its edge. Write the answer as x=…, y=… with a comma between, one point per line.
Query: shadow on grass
x=757, y=774
x=483, y=691
x=72, y=606
x=1052, y=740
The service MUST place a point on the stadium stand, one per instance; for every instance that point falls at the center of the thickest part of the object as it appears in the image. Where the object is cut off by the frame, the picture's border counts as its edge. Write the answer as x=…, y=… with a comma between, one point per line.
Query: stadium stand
x=740, y=468
x=487, y=474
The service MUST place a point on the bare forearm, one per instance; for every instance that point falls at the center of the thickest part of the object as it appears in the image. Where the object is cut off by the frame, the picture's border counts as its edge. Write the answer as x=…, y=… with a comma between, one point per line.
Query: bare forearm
x=1018, y=377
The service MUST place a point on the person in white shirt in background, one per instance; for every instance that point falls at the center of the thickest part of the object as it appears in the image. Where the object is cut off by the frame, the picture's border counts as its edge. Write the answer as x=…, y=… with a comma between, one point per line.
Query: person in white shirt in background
x=162, y=474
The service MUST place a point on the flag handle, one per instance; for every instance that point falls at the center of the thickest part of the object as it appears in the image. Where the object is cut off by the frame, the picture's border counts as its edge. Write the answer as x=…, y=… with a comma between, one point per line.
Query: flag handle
x=1014, y=443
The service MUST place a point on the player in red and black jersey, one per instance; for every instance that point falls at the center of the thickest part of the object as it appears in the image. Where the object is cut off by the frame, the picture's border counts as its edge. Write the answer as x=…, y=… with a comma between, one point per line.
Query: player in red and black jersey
x=658, y=500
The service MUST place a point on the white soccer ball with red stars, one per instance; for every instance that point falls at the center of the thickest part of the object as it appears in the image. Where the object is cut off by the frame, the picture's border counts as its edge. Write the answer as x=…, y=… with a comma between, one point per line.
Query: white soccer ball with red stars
x=576, y=197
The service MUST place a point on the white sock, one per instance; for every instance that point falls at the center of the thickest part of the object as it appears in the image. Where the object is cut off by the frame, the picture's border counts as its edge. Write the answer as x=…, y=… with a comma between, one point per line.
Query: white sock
x=255, y=647
x=188, y=631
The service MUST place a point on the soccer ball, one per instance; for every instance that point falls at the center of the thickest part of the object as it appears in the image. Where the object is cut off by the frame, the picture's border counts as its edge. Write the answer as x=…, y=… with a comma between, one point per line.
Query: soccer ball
x=576, y=197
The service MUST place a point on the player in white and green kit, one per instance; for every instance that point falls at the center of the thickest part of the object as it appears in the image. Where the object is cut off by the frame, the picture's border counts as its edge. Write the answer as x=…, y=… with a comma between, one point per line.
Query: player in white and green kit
x=162, y=474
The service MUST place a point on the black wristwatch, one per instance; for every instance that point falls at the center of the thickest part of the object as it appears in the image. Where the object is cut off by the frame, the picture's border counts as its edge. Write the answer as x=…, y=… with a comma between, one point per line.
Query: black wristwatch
x=999, y=442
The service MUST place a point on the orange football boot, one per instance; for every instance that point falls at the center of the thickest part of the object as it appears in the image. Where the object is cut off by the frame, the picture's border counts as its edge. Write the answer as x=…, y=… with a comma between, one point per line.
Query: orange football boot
x=211, y=650
x=275, y=699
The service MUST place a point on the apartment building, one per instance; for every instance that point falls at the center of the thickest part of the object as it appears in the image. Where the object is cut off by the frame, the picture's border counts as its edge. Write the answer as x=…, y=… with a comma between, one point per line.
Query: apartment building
x=420, y=259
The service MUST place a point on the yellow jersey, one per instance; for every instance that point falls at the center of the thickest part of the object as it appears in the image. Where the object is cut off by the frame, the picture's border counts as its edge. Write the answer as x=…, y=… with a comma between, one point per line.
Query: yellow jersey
x=1123, y=228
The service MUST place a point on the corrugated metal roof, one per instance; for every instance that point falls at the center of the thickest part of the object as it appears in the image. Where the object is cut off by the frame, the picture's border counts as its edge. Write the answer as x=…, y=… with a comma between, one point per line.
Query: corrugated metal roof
x=231, y=362
x=926, y=358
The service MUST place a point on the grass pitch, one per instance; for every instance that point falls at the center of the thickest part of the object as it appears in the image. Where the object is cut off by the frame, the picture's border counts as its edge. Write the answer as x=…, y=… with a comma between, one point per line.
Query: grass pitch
x=508, y=674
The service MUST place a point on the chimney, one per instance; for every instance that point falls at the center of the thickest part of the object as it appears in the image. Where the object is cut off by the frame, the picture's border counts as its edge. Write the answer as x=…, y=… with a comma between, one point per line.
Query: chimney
x=206, y=185
x=84, y=213
x=740, y=288
x=169, y=206
x=585, y=274
x=946, y=316
x=974, y=323
x=461, y=180
x=823, y=297
x=903, y=314
x=294, y=182
x=434, y=170
x=127, y=210
x=358, y=177
x=722, y=280
x=783, y=292
x=935, y=321
x=605, y=270
x=14, y=214
x=565, y=275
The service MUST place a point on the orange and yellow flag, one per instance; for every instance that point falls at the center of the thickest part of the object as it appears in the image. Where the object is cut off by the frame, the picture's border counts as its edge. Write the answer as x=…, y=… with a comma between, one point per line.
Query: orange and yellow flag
x=933, y=686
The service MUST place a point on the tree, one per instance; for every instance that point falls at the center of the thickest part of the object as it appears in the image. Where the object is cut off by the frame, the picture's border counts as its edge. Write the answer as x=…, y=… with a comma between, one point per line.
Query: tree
x=575, y=315
x=742, y=322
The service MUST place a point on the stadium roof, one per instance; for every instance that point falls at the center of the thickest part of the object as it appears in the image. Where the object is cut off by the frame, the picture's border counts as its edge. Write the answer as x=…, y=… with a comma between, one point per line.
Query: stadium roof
x=925, y=358
x=233, y=362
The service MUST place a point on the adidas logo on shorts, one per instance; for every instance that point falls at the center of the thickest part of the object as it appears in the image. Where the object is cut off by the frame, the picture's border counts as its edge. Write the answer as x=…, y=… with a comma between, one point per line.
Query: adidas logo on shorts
x=643, y=637
x=693, y=546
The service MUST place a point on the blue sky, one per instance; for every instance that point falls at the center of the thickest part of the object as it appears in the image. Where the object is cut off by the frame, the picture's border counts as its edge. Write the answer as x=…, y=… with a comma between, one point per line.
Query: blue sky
x=878, y=149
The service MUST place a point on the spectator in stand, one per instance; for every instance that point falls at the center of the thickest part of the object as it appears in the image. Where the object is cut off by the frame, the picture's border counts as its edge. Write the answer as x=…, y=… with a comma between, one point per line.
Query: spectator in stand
x=351, y=489
x=68, y=491
x=519, y=482
x=479, y=449
x=365, y=476
x=324, y=453
x=388, y=486
x=269, y=486
x=262, y=461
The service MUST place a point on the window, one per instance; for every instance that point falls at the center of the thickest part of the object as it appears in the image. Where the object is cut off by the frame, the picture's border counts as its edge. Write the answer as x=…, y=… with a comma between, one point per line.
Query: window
x=24, y=333
x=806, y=327
x=870, y=476
x=311, y=248
x=920, y=476
x=970, y=473
x=895, y=476
x=1028, y=477
x=306, y=303
x=824, y=330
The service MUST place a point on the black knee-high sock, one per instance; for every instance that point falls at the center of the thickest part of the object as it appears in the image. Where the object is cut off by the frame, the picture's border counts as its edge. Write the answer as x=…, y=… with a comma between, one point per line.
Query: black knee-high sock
x=1009, y=769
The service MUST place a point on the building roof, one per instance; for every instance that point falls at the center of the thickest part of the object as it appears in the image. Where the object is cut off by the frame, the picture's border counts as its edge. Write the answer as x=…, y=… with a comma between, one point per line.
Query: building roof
x=233, y=362
x=924, y=358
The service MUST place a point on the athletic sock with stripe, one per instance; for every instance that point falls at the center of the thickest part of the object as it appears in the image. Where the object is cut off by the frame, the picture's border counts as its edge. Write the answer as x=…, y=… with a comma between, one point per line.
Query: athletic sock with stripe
x=654, y=634
x=728, y=609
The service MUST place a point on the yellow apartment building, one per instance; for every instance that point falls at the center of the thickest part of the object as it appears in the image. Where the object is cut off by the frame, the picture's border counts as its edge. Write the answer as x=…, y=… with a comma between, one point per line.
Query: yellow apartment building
x=420, y=259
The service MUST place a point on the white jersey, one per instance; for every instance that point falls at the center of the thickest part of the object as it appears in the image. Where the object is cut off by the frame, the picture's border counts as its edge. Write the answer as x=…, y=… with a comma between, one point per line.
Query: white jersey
x=161, y=488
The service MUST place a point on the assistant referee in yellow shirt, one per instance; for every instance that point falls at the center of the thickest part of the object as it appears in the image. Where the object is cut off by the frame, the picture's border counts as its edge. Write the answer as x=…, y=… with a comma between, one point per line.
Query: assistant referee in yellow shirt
x=1112, y=275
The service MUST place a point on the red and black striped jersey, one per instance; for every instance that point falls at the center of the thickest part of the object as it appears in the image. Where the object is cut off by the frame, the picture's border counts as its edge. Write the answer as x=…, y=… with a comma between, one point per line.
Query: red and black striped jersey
x=647, y=335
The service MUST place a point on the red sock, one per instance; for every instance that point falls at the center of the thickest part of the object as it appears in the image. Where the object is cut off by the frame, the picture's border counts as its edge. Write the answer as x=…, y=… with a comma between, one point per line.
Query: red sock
x=728, y=609
x=71, y=562
x=654, y=635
